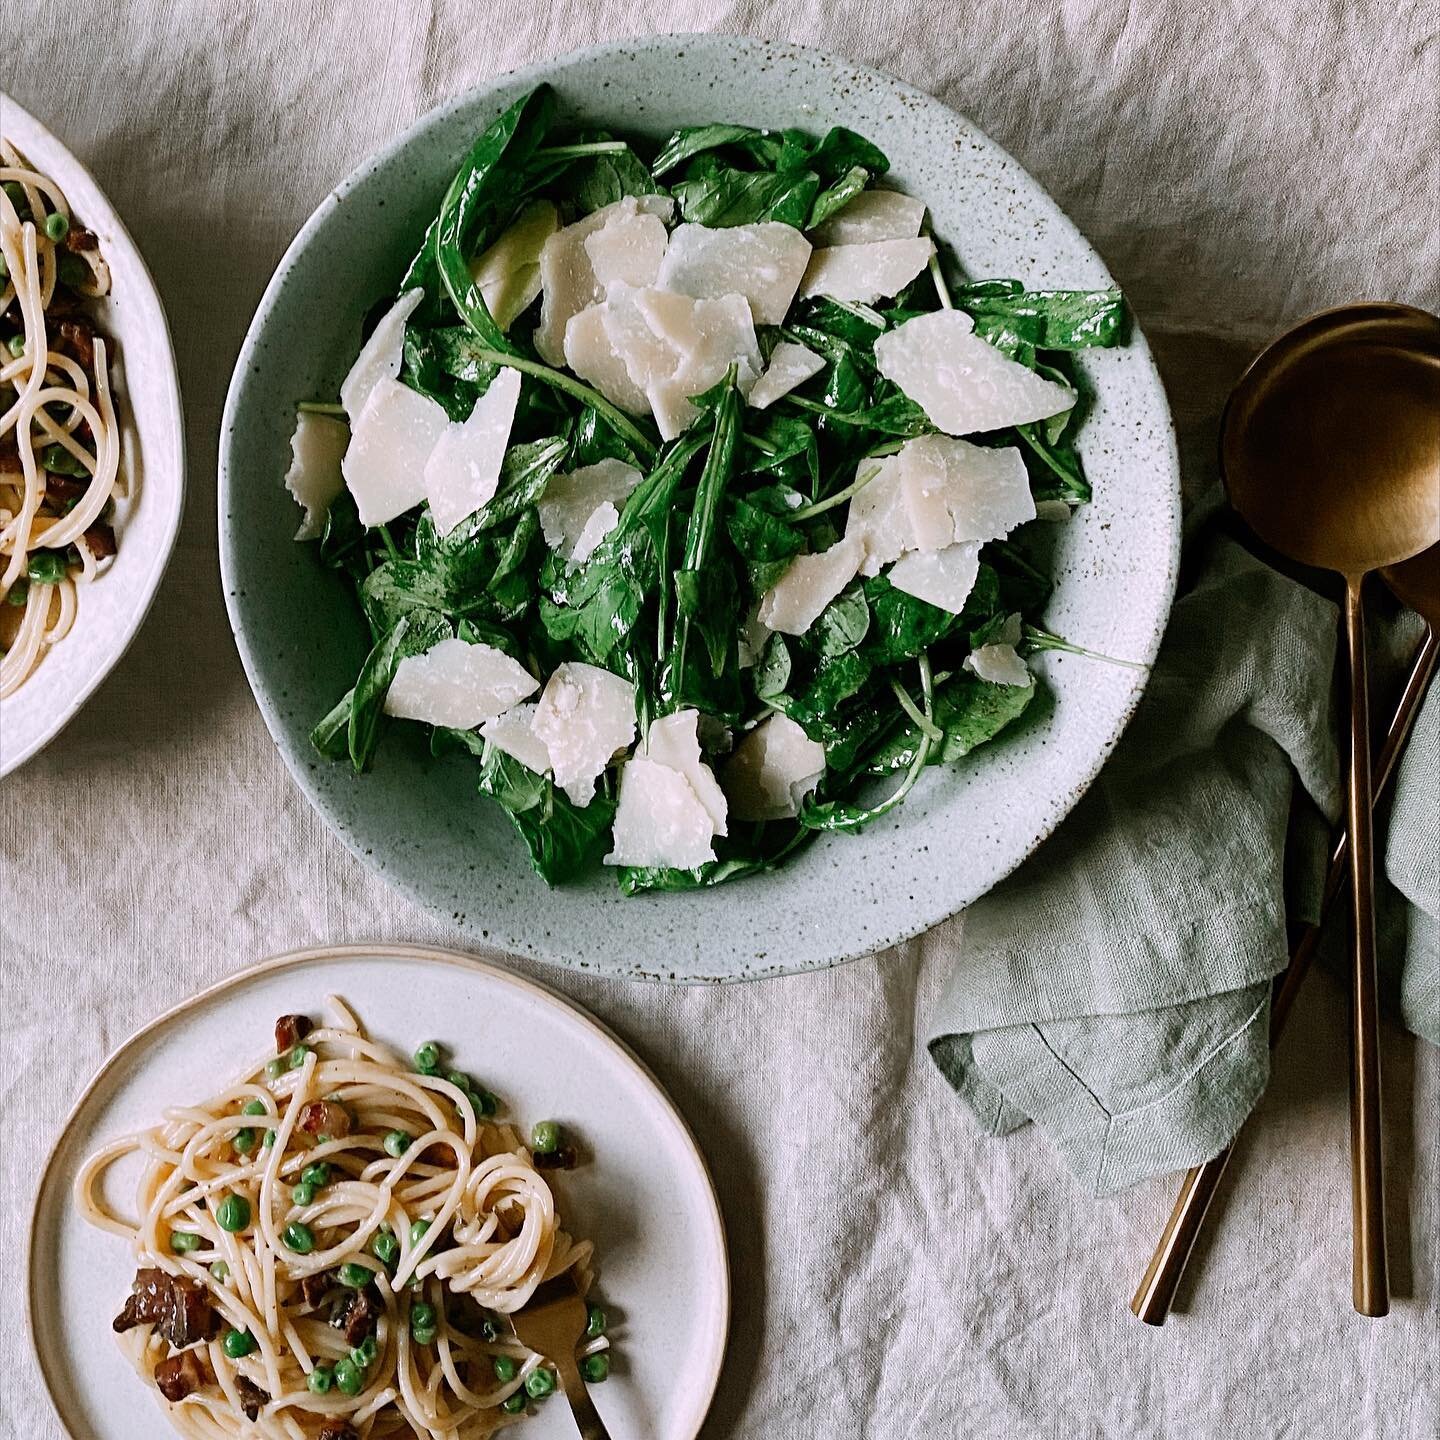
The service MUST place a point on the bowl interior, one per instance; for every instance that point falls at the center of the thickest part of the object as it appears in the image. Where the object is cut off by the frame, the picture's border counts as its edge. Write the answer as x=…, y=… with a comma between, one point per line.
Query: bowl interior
x=420, y=822
x=147, y=520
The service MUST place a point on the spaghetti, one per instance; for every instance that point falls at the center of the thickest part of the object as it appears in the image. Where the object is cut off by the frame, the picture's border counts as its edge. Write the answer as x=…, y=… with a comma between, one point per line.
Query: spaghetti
x=328, y=1245
x=59, y=439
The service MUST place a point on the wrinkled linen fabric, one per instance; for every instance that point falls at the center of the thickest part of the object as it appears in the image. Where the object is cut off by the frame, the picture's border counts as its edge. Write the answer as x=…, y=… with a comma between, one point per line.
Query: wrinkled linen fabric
x=1116, y=989
x=895, y=1276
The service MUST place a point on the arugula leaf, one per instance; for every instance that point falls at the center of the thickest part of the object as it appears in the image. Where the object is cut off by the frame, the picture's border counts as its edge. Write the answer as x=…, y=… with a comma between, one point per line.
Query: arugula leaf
x=776, y=843
x=782, y=444
x=841, y=150
x=901, y=626
x=524, y=473
x=410, y=635
x=593, y=440
x=969, y=710
x=1051, y=319
x=721, y=195
x=841, y=625
x=837, y=195
x=889, y=411
x=694, y=140
x=563, y=839
x=765, y=542
x=331, y=737
x=596, y=181
x=705, y=595
x=342, y=544
x=482, y=196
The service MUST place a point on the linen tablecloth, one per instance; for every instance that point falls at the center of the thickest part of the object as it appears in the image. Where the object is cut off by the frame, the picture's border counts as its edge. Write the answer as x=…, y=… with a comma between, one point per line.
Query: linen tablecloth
x=895, y=1276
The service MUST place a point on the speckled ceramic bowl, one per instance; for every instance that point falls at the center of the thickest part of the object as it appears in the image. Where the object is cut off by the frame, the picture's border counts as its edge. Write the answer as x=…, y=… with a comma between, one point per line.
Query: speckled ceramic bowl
x=419, y=822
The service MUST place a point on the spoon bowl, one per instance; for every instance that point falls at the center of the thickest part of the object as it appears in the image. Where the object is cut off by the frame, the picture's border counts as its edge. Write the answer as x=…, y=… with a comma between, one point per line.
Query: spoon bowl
x=1331, y=442
x=1330, y=452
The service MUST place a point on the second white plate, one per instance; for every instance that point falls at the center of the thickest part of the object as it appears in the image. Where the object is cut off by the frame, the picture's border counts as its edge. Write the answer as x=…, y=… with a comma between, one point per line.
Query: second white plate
x=645, y=1198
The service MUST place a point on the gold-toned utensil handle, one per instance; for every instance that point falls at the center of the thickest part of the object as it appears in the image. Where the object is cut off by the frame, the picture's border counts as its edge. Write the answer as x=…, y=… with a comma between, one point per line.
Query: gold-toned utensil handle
x=587, y=1417
x=1156, y=1293
x=1371, y=1278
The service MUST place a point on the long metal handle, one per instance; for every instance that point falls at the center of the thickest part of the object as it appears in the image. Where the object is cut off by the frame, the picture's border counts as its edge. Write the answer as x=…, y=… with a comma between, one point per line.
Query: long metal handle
x=1155, y=1296
x=1371, y=1277
x=587, y=1417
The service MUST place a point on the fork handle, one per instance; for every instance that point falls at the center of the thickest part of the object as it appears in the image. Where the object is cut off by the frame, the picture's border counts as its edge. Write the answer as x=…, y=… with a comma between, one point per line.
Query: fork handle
x=582, y=1407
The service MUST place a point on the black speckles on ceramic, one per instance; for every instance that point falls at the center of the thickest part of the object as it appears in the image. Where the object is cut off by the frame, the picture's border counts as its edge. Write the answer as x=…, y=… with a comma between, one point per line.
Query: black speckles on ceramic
x=418, y=821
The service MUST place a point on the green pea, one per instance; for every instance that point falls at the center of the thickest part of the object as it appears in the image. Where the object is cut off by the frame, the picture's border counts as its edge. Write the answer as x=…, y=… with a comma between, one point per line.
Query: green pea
x=397, y=1142
x=595, y=1321
x=297, y=1057
x=19, y=592
x=275, y=1068
x=57, y=227
x=302, y=1194
x=317, y=1174
x=220, y=1272
x=595, y=1368
x=256, y=1107
x=184, y=1242
x=357, y=1277
x=349, y=1378
x=539, y=1383
x=238, y=1343
x=365, y=1352
x=484, y=1102
x=243, y=1140
x=319, y=1380
x=233, y=1214
x=422, y=1316
x=504, y=1368
x=386, y=1249
x=418, y=1231
x=427, y=1058
x=298, y=1237
x=269, y=1138
x=513, y=1404
x=48, y=567
x=459, y=1079
x=17, y=345
x=545, y=1137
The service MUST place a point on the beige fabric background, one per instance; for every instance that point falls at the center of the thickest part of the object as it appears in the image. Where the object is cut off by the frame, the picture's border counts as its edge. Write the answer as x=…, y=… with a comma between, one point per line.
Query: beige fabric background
x=1238, y=164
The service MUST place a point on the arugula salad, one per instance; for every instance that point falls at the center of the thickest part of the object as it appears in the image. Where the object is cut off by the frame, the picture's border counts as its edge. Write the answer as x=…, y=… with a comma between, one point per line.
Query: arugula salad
x=688, y=492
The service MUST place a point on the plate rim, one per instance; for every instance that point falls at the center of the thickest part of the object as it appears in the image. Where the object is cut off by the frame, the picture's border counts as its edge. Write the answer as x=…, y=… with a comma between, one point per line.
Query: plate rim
x=358, y=950
x=536, y=72
x=149, y=588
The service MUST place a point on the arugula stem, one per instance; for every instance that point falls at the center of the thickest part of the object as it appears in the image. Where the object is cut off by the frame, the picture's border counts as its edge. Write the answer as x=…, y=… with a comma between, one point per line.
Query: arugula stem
x=917, y=716
x=576, y=152
x=938, y=276
x=319, y=407
x=1026, y=433
x=1037, y=639
x=578, y=390
x=806, y=512
x=390, y=546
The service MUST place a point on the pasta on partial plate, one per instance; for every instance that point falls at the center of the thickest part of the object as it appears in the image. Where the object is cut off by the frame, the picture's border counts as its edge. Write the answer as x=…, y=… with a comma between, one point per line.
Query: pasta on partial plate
x=59, y=438
x=328, y=1247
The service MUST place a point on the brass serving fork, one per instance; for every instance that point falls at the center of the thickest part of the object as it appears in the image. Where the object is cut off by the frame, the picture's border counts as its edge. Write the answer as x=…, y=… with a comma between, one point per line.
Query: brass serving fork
x=552, y=1324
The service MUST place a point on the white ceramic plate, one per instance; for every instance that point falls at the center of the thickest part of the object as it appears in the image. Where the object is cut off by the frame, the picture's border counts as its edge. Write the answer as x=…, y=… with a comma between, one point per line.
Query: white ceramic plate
x=152, y=460
x=645, y=1199
x=419, y=821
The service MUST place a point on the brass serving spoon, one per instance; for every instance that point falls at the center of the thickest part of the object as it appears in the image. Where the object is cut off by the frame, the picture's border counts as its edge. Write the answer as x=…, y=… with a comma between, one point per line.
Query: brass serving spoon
x=1416, y=583
x=1330, y=452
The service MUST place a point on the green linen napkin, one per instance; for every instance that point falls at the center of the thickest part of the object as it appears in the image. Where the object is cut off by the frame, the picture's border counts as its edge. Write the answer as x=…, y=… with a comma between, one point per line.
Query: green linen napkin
x=1116, y=989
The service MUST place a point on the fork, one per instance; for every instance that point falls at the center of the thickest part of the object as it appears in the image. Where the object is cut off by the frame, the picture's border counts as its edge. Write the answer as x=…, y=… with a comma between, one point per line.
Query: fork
x=552, y=1324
